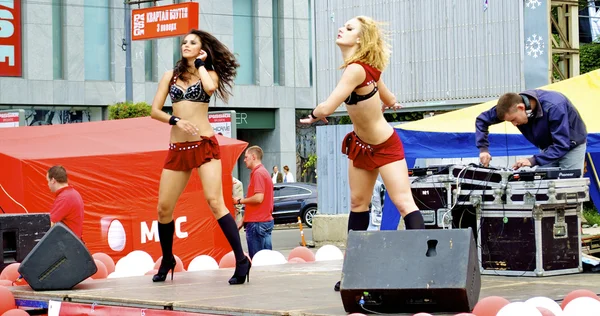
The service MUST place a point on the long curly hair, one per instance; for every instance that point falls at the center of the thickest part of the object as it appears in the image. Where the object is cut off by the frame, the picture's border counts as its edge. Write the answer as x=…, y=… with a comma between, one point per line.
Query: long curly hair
x=219, y=59
x=373, y=48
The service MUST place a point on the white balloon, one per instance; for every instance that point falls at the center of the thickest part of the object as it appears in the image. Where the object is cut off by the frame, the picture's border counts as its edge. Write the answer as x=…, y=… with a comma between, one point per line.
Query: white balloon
x=277, y=257
x=140, y=260
x=519, y=309
x=329, y=252
x=582, y=306
x=267, y=257
x=547, y=303
x=128, y=267
x=203, y=262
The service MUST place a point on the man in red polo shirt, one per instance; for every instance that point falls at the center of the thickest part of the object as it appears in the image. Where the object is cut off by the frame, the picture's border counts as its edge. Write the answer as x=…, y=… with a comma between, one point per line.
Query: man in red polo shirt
x=68, y=205
x=258, y=217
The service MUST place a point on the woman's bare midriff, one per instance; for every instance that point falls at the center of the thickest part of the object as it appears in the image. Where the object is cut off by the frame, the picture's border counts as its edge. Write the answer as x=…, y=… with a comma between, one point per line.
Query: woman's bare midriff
x=369, y=124
x=197, y=114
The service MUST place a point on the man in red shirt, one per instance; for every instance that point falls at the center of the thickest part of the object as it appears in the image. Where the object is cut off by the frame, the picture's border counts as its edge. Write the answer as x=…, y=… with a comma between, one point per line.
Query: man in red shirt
x=68, y=205
x=258, y=217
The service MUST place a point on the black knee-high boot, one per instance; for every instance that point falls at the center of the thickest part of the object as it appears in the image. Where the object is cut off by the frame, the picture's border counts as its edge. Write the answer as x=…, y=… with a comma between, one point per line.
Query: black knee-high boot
x=165, y=234
x=414, y=220
x=356, y=221
x=242, y=265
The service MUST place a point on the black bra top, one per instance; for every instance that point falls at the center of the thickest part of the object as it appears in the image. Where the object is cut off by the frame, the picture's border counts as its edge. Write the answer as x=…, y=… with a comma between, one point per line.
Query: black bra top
x=372, y=75
x=194, y=93
x=355, y=98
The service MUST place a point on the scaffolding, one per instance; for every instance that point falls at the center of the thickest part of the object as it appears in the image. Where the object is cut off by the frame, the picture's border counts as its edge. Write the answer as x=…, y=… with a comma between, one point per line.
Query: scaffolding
x=564, y=57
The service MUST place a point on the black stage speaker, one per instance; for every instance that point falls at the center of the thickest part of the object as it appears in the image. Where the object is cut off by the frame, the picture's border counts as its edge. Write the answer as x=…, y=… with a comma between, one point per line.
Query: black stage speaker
x=58, y=262
x=410, y=271
x=18, y=235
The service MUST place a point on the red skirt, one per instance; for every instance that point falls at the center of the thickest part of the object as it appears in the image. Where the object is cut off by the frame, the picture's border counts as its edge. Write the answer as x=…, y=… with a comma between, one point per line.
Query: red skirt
x=191, y=155
x=370, y=157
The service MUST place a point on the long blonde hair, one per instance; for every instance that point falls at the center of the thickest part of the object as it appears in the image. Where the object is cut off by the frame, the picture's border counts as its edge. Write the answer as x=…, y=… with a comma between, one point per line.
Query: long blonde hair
x=373, y=48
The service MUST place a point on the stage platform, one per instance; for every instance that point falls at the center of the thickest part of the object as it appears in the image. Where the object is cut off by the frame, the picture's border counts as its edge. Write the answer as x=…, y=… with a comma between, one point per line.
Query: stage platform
x=288, y=289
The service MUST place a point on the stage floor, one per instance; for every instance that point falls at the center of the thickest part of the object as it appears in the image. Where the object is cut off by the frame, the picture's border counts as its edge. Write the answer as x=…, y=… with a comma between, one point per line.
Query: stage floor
x=289, y=289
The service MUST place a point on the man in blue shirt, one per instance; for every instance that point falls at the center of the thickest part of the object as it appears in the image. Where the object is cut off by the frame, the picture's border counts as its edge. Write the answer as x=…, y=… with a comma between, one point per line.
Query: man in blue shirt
x=547, y=119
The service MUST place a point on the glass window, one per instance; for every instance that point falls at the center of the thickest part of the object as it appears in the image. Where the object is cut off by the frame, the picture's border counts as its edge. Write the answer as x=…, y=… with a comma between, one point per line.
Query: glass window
x=57, y=39
x=96, y=39
x=243, y=40
x=149, y=60
x=277, y=27
x=176, y=49
x=292, y=190
x=310, y=42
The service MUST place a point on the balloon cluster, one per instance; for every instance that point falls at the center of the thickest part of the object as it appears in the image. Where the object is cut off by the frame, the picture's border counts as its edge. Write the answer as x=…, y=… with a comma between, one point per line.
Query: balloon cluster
x=576, y=303
x=138, y=263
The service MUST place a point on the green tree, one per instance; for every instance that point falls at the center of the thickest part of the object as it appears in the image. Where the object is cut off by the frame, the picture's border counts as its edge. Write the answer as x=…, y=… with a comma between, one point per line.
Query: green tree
x=123, y=110
x=589, y=57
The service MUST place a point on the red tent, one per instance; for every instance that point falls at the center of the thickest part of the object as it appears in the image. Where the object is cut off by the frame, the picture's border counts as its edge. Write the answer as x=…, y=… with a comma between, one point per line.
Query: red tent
x=116, y=167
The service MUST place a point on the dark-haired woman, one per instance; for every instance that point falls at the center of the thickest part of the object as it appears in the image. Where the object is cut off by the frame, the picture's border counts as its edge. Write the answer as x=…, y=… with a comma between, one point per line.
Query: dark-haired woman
x=206, y=67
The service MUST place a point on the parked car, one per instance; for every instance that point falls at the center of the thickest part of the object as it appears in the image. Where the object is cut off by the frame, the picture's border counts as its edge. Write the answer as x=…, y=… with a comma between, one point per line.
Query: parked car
x=294, y=199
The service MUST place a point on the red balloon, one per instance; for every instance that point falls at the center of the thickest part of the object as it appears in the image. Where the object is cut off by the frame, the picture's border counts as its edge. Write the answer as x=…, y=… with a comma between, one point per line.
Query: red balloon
x=102, y=272
x=296, y=260
x=11, y=272
x=302, y=252
x=6, y=283
x=578, y=293
x=490, y=306
x=178, y=264
x=16, y=312
x=7, y=300
x=545, y=311
x=228, y=261
x=109, y=263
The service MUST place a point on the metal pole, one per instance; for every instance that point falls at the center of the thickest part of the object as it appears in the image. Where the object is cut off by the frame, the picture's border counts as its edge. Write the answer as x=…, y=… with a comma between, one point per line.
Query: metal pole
x=128, y=71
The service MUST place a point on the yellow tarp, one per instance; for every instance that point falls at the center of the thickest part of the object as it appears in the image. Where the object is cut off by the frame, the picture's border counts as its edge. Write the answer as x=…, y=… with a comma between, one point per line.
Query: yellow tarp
x=583, y=91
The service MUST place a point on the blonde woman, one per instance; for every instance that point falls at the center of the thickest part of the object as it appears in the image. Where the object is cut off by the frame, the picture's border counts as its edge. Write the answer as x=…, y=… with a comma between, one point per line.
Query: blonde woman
x=373, y=147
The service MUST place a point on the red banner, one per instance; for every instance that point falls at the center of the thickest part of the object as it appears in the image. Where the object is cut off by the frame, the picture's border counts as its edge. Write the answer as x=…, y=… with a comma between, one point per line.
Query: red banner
x=58, y=308
x=164, y=21
x=10, y=38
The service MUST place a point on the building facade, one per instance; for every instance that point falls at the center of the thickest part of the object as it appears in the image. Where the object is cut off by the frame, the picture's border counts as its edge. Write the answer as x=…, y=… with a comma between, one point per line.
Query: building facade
x=72, y=64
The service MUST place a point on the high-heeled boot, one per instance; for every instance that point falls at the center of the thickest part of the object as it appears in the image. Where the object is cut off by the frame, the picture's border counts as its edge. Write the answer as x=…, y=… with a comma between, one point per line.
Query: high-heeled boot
x=166, y=265
x=242, y=266
x=242, y=272
x=165, y=234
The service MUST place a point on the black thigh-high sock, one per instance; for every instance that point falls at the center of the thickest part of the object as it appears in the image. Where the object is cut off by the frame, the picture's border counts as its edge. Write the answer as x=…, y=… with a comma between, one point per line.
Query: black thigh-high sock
x=229, y=228
x=165, y=234
x=358, y=221
x=414, y=220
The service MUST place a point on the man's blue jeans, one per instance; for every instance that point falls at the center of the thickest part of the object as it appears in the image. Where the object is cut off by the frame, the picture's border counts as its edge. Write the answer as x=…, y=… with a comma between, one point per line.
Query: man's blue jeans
x=258, y=236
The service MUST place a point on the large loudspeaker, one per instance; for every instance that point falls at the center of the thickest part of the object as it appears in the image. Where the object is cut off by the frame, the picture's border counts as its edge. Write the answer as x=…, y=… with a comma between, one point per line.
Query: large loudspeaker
x=410, y=271
x=18, y=235
x=58, y=262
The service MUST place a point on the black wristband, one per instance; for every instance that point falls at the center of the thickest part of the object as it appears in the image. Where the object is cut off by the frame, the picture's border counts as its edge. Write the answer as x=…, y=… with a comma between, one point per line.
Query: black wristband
x=173, y=120
x=312, y=114
x=198, y=62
